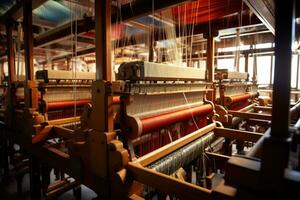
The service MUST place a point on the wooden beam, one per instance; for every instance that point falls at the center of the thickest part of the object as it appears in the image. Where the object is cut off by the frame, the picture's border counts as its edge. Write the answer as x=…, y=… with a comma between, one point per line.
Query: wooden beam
x=218, y=159
x=168, y=184
x=253, y=122
x=30, y=93
x=10, y=53
x=140, y=8
x=210, y=53
x=237, y=134
x=169, y=148
x=247, y=115
x=16, y=11
x=83, y=25
x=130, y=11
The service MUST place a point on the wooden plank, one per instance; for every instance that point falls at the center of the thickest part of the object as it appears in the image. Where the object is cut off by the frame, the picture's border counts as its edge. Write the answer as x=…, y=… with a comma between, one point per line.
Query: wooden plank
x=259, y=122
x=247, y=108
x=237, y=134
x=168, y=184
x=262, y=108
x=218, y=159
x=247, y=115
x=58, y=122
x=169, y=148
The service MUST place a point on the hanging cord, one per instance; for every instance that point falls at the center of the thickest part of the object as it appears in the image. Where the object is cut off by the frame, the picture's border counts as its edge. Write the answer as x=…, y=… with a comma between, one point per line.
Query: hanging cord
x=192, y=32
x=189, y=107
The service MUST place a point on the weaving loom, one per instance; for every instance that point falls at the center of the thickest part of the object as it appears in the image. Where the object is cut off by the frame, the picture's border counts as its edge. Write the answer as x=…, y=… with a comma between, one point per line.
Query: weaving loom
x=165, y=119
x=235, y=91
x=158, y=109
x=63, y=93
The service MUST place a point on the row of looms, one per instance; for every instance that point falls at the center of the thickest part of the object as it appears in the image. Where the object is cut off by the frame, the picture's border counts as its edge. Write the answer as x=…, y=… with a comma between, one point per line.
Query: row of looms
x=114, y=95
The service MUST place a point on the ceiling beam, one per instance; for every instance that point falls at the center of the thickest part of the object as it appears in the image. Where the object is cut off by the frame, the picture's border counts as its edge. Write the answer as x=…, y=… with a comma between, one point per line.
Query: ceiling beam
x=231, y=53
x=265, y=11
x=219, y=24
x=140, y=8
x=129, y=11
x=83, y=25
x=16, y=11
x=68, y=56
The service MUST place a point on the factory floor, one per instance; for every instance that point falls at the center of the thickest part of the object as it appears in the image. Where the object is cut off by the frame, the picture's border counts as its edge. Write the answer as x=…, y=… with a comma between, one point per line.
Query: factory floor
x=8, y=190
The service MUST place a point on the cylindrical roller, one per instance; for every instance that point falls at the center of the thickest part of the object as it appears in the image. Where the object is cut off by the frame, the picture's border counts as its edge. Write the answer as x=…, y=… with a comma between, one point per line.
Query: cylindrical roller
x=139, y=126
x=238, y=98
x=67, y=104
x=70, y=104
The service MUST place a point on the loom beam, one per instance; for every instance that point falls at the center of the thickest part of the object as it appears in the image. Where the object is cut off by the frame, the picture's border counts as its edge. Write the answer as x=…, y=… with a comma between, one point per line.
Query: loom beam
x=141, y=126
x=70, y=104
x=239, y=98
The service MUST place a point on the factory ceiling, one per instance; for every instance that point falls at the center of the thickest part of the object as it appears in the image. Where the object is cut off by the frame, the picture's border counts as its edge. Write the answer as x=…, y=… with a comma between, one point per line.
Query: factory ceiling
x=58, y=23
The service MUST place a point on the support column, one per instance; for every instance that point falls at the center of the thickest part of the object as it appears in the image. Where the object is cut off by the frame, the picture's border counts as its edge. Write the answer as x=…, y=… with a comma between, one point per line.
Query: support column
x=247, y=62
x=276, y=147
x=210, y=58
x=11, y=72
x=103, y=105
x=103, y=39
x=210, y=53
x=10, y=53
x=31, y=99
x=282, y=72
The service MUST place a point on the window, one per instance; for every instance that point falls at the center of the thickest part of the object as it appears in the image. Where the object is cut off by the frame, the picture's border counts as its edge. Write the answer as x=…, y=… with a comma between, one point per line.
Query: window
x=263, y=69
x=226, y=63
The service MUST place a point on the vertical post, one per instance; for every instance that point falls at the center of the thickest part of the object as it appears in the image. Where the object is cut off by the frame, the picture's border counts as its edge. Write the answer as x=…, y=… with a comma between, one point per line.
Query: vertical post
x=272, y=68
x=276, y=148
x=10, y=53
x=103, y=43
x=30, y=94
x=282, y=72
x=246, y=62
x=103, y=109
x=11, y=71
x=151, y=46
x=210, y=53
